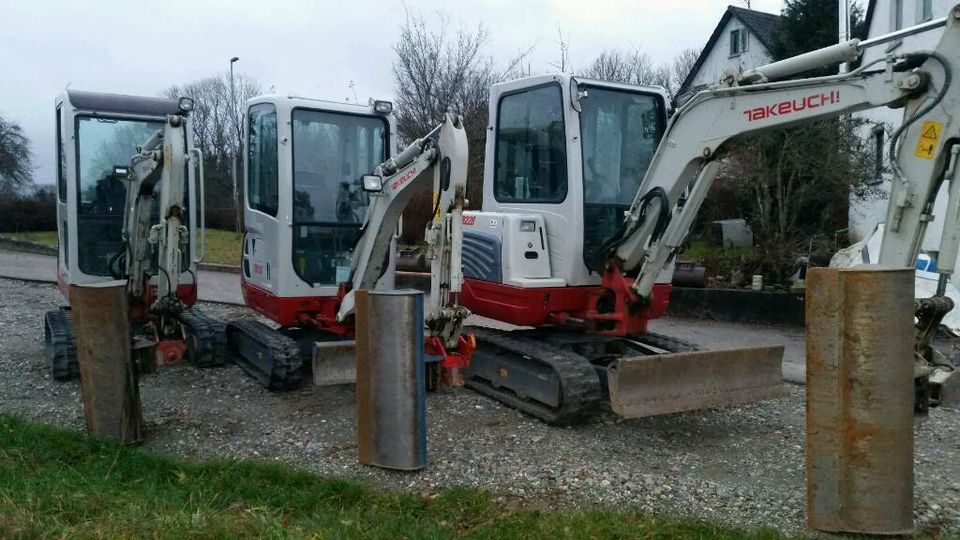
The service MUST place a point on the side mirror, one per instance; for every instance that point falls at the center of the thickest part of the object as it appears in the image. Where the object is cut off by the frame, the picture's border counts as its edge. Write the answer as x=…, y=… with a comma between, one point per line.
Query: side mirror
x=576, y=94
x=372, y=183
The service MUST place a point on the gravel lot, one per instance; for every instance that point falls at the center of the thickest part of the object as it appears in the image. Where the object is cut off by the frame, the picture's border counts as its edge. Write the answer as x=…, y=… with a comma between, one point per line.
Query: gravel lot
x=741, y=465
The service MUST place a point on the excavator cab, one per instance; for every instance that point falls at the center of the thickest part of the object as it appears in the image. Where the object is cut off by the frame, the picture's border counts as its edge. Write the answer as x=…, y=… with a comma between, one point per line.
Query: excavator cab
x=325, y=191
x=97, y=135
x=304, y=202
x=113, y=180
x=304, y=210
x=565, y=159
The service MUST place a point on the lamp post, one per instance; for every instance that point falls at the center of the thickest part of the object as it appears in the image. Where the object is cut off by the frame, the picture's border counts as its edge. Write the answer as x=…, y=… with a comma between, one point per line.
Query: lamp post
x=233, y=158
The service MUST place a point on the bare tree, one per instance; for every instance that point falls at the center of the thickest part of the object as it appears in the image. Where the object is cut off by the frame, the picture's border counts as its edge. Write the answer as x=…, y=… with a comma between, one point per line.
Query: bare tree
x=631, y=67
x=215, y=117
x=793, y=184
x=16, y=166
x=439, y=69
x=681, y=67
x=563, y=44
x=218, y=131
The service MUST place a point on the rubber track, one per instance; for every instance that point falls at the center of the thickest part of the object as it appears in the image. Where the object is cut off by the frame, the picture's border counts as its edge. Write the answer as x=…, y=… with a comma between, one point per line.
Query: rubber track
x=206, y=339
x=286, y=364
x=60, y=344
x=580, y=385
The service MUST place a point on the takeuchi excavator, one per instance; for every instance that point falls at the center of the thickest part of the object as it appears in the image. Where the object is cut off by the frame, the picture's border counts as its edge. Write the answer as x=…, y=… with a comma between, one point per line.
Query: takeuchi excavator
x=590, y=192
x=129, y=206
x=324, y=202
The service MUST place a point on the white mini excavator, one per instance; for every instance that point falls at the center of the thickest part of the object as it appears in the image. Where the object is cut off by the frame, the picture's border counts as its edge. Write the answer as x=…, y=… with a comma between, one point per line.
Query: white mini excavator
x=324, y=202
x=590, y=192
x=130, y=205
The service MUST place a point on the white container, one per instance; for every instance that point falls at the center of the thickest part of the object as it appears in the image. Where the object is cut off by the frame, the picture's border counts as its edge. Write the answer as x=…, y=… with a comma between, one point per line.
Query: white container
x=757, y=282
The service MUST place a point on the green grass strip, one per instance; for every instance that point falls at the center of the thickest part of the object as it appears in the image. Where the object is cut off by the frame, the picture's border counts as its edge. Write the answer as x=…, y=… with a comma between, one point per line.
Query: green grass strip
x=56, y=483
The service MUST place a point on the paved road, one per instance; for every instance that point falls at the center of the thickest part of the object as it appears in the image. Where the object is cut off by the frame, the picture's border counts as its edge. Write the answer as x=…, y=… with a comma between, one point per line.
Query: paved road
x=214, y=286
x=225, y=288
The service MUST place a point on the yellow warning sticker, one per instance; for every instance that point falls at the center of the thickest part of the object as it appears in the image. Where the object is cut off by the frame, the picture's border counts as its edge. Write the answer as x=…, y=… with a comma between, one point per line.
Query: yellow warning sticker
x=436, y=215
x=929, y=135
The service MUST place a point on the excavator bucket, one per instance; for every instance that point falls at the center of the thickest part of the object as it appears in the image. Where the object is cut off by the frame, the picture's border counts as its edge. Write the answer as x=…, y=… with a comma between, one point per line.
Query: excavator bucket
x=334, y=362
x=677, y=382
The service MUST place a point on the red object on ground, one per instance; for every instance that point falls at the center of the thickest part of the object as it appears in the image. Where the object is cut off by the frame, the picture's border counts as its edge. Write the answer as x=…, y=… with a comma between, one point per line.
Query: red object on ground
x=170, y=351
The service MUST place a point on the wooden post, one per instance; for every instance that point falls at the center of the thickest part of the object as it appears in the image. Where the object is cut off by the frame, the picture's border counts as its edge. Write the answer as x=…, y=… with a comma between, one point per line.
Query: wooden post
x=108, y=380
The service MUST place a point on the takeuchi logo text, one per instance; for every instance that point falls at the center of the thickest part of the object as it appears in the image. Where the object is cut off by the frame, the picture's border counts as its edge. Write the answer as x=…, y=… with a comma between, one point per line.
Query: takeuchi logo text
x=403, y=179
x=790, y=106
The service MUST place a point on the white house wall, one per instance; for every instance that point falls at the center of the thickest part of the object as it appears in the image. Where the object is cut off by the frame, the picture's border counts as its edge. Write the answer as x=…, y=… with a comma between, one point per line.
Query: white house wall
x=865, y=215
x=718, y=59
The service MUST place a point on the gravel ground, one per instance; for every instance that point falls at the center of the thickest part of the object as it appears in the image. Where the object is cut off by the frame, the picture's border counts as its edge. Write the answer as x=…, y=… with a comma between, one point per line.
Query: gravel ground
x=741, y=465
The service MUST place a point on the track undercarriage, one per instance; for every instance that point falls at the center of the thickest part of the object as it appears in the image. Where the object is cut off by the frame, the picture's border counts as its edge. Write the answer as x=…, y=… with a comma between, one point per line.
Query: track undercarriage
x=204, y=339
x=564, y=377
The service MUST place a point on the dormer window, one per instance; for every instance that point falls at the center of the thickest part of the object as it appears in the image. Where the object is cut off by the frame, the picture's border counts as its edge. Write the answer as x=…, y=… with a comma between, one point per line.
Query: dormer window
x=738, y=42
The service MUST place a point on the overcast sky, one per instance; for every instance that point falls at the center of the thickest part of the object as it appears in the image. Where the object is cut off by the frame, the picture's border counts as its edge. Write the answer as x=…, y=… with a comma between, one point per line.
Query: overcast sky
x=311, y=48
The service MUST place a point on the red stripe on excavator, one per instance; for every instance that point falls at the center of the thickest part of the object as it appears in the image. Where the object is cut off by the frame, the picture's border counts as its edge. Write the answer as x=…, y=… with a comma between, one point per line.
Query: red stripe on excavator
x=539, y=307
x=316, y=311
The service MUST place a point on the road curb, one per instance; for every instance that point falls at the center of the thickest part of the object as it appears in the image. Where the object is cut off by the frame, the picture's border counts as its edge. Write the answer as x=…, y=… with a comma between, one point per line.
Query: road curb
x=26, y=246
x=40, y=249
x=224, y=268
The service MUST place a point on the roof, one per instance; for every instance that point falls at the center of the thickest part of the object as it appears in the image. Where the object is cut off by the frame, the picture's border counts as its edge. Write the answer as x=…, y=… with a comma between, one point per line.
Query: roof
x=121, y=103
x=761, y=24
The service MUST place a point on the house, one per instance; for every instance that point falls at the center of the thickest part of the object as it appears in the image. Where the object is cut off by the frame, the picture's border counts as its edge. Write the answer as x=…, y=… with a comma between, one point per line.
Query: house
x=740, y=42
x=882, y=17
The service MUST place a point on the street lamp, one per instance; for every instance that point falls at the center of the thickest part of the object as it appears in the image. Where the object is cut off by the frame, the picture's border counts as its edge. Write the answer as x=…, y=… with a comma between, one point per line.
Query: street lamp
x=233, y=160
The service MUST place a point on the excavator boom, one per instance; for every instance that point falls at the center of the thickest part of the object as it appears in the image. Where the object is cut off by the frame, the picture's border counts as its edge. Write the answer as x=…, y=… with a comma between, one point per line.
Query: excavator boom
x=922, y=155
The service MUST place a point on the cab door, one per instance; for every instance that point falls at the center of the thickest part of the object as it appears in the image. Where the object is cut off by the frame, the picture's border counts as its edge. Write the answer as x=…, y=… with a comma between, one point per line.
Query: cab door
x=261, y=188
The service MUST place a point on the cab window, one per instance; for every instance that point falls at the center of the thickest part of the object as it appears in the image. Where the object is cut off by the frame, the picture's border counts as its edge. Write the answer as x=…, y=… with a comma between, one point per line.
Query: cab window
x=531, y=154
x=262, y=182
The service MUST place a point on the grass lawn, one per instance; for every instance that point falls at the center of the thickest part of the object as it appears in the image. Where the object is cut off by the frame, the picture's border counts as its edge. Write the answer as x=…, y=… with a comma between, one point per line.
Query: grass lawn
x=223, y=247
x=56, y=483
x=44, y=238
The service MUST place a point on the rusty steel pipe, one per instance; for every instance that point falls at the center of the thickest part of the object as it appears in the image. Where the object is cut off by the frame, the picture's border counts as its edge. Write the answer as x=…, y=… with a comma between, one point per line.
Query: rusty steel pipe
x=391, y=383
x=860, y=399
x=108, y=379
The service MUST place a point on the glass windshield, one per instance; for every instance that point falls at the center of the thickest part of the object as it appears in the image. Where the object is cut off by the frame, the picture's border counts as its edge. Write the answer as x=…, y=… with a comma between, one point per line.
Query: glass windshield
x=331, y=151
x=101, y=144
x=620, y=131
x=531, y=155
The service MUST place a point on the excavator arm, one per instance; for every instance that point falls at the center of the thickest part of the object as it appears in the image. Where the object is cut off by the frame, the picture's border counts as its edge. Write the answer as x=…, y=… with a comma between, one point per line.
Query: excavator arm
x=440, y=156
x=157, y=174
x=689, y=157
x=923, y=154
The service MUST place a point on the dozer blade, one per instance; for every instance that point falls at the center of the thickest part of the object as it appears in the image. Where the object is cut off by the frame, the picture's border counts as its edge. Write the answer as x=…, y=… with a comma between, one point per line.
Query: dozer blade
x=334, y=362
x=686, y=381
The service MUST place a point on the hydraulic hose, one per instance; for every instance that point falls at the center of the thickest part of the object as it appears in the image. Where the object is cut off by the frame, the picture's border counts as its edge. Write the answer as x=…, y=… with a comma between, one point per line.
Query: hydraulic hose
x=663, y=220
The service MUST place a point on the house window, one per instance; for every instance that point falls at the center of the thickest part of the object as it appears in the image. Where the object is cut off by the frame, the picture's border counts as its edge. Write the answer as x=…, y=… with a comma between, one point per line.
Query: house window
x=878, y=154
x=924, y=10
x=896, y=14
x=738, y=42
